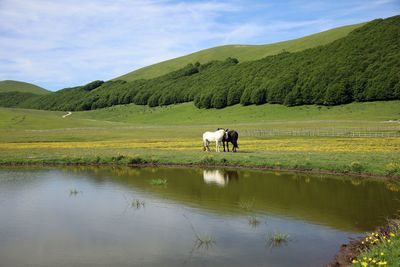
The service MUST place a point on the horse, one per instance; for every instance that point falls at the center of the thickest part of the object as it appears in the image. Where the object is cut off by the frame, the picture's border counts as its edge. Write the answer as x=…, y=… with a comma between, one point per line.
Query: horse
x=211, y=137
x=230, y=136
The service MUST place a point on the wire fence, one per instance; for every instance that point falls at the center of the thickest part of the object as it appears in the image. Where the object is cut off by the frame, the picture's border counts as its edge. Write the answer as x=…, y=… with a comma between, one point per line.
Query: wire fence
x=322, y=132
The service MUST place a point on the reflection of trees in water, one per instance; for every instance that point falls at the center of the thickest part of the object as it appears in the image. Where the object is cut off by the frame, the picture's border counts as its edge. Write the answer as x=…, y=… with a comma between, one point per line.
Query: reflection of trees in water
x=219, y=177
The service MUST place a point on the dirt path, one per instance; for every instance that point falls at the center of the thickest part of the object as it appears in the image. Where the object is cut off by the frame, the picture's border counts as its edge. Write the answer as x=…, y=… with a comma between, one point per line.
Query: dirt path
x=69, y=113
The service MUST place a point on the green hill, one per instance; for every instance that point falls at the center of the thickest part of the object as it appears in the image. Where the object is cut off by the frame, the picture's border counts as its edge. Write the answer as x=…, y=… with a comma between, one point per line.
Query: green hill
x=362, y=66
x=241, y=52
x=16, y=86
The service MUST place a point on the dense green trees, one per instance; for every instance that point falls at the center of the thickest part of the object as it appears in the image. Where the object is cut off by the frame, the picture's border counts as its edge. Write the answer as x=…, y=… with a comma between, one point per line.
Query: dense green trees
x=363, y=66
x=14, y=99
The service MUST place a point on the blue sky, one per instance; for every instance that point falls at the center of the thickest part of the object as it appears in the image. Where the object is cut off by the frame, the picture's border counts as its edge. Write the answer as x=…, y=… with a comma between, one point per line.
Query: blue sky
x=57, y=44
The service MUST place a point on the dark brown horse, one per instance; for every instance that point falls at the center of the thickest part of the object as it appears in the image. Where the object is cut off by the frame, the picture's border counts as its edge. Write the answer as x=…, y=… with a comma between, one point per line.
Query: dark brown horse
x=230, y=136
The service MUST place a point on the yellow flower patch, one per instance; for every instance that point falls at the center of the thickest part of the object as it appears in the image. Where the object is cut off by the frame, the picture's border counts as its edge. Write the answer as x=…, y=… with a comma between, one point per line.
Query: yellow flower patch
x=335, y=145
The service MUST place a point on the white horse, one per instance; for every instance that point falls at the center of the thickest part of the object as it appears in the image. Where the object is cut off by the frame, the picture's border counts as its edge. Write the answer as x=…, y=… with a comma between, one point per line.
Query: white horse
x=211, y=137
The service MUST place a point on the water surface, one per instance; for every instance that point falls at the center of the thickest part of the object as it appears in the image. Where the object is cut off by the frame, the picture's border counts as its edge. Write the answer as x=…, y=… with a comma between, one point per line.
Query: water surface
x=85, y=216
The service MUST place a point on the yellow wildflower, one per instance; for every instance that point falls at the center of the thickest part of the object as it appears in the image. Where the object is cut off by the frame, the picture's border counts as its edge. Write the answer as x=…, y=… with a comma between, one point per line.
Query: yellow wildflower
x=382, y=253
x=354, y=261
x=391, y=234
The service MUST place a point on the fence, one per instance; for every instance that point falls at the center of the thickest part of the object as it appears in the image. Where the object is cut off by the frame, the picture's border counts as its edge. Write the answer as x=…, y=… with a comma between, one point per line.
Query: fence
x=322, y=133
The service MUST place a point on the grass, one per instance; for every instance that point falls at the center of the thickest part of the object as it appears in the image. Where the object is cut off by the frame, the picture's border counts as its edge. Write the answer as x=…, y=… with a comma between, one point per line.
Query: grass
x=16, y=86
x=241, y=52
x=128, y=135
x=137, y=204
x=73, y=192
x=278, y=239
x=287, y=153
x=253, y=221
x=204, y=241
x=267, y=116
x=41, y=122
x=159, y=182
x=134, y=203
x=246, y=205
x=201, y=240
x=381, y=249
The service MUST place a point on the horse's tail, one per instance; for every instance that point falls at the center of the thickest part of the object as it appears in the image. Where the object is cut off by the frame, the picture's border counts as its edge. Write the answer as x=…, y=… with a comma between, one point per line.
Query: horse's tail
x=205, y=144
x=236, y=137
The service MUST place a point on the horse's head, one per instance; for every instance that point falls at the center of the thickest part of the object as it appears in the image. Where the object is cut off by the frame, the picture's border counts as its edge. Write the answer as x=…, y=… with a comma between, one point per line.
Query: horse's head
x=226, y=134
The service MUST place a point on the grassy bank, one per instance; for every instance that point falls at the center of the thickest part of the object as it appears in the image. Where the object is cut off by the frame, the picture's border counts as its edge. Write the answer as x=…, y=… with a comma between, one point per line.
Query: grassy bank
x=172, y=135
x=282, y=155
x=386, y=252
x=379, y=248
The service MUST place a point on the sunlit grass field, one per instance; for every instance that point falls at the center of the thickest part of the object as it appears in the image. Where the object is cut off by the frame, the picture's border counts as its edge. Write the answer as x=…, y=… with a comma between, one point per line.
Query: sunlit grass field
x=172, y=135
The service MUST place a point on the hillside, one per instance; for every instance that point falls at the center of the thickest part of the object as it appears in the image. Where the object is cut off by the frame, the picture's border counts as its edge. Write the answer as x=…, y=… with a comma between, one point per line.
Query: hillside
x=241, y=52
x=16, y=86
x=363, y=66
x=13, y=93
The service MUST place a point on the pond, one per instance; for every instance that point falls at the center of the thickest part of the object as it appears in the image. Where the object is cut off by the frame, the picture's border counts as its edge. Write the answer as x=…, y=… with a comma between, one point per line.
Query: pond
x=183, y=216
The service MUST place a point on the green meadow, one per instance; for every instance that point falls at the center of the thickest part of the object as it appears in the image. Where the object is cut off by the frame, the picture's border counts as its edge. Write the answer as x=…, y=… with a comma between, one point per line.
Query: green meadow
x=268, y=115
x=131, y=134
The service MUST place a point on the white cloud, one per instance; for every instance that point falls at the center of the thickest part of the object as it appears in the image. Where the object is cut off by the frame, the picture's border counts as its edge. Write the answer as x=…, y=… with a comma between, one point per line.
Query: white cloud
x=78, y=41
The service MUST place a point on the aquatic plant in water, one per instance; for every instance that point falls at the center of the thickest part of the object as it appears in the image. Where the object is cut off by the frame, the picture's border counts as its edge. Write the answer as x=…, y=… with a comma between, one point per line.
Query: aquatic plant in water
x=246, y=204
x=74, y=192
x=278, y=239
x=137, y=204
x=253, y=221
x=201, y=240
x=204, y=241
x=159, y=182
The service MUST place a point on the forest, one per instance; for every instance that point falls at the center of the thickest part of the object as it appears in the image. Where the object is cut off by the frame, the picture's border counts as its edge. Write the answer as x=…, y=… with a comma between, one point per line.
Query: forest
x=363, y=66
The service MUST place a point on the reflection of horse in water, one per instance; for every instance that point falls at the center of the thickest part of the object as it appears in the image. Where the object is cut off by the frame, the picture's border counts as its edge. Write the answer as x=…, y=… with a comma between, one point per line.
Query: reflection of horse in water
x=219, y=177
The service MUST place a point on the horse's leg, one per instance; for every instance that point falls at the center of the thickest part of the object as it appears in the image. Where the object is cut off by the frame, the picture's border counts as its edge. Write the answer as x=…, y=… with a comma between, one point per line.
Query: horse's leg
x=216, y=146
x=227, y=146
x=223, y=143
